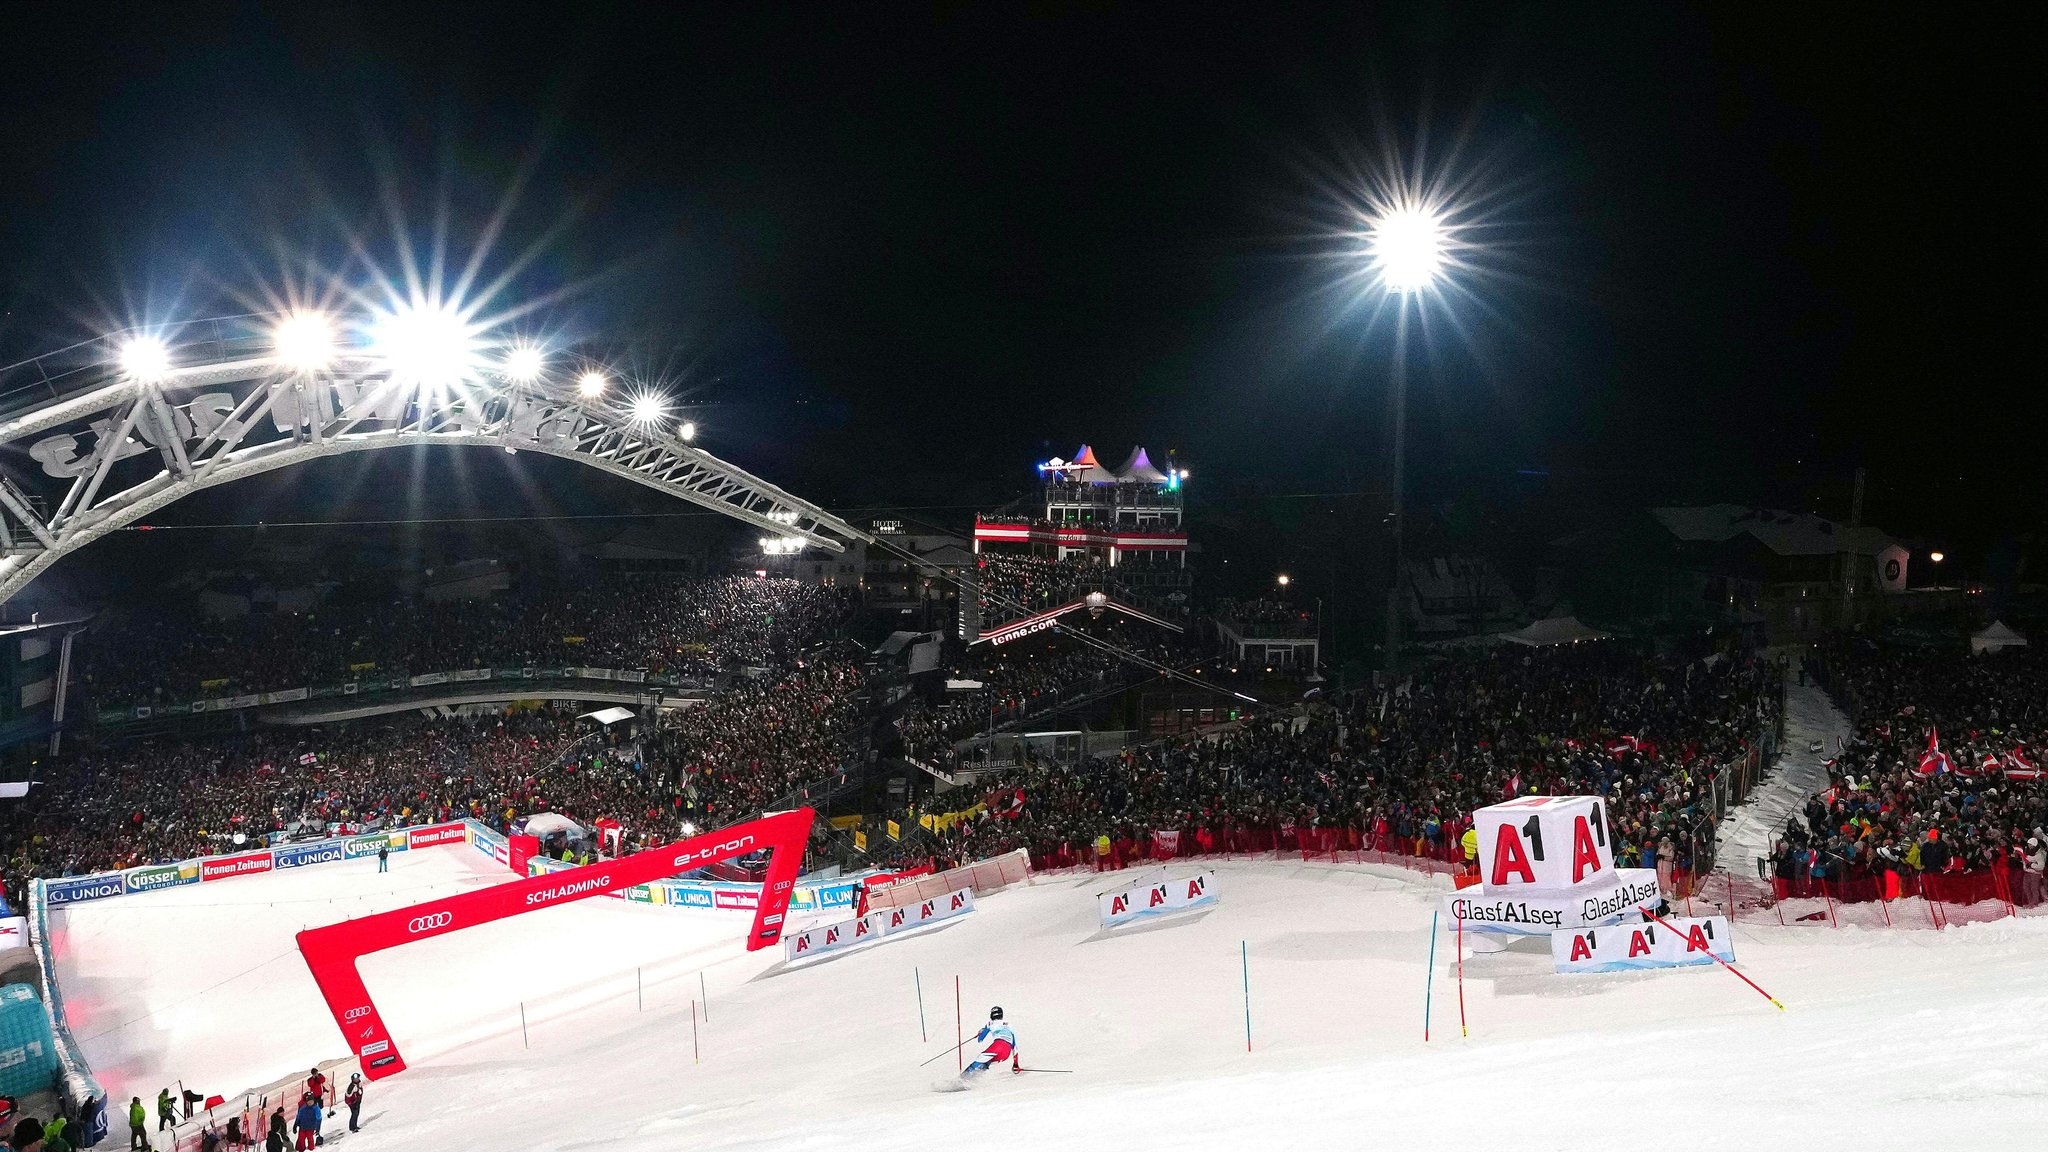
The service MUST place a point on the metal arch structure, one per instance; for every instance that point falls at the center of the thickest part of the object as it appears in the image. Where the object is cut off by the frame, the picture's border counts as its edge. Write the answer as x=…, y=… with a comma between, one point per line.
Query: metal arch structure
x=108, y=455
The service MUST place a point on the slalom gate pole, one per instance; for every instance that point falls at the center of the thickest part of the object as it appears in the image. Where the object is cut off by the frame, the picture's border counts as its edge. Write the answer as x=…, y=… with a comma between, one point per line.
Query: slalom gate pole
x=696, y=1053
x=959, y=1027
x=1718, y=960
x=1244, y=950
x=1462, y=1030
x=923, y=1037
x=523, y=1041
x=705, y=993
x=639, y=1000
x=1429, y=981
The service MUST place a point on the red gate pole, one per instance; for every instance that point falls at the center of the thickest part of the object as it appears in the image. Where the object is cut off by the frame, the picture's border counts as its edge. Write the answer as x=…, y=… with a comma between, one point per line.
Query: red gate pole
x=959, y=1027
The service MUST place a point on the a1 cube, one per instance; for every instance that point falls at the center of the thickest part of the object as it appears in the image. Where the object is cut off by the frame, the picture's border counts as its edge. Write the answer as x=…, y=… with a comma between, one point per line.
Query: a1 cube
x=1543, y=843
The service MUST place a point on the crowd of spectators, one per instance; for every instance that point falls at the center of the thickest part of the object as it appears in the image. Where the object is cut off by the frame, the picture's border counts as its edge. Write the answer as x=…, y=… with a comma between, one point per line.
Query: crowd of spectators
x=688, y=627
x=1407, y=764
x=793, y=721
x=1013, y=586
x=1939, y=778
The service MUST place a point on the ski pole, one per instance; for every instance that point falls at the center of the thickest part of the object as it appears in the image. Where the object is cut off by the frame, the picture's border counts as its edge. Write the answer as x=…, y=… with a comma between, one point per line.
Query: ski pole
x=946, y=1053
x=1064, y=1070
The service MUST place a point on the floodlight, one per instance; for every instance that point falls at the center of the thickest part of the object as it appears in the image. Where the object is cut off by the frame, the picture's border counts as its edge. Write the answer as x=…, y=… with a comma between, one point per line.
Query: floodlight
x=591, y=385
x=304, y=341
x=145, y=358
x=648, y=407
x=426, y=344
x=1407, y=246
x=688, y=430
x=523, y=363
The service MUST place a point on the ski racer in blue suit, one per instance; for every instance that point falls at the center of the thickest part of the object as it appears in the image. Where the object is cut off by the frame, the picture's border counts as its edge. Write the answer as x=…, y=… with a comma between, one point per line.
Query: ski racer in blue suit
x=1002, y=1045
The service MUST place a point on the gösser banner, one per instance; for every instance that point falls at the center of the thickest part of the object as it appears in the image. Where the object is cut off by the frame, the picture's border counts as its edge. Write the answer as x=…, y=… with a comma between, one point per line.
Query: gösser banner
x=331, y=951
x=1626, y=946
x=1157, y=899
x=150, y=877
x=874, y=925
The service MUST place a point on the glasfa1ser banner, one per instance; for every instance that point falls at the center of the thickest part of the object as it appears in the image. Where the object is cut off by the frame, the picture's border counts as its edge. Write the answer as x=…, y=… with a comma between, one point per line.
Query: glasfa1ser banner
x=331, y=952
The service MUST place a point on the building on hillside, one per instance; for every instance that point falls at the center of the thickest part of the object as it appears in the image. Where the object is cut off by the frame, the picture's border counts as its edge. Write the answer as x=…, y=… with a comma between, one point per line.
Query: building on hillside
x=1456, y=596
x=1771, y=576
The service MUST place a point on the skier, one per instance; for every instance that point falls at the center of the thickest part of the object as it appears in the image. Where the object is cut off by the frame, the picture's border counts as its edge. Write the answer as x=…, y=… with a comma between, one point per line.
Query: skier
x=1002, y=1043
x=384, y=858
x=354, y=1099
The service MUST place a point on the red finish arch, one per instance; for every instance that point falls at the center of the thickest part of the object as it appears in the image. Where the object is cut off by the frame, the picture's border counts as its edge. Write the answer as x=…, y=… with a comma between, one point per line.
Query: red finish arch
x=331, y=951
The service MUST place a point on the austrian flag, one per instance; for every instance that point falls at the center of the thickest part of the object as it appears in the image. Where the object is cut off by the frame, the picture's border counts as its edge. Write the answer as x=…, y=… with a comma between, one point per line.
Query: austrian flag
x=2018, y=767
x=1935, y=761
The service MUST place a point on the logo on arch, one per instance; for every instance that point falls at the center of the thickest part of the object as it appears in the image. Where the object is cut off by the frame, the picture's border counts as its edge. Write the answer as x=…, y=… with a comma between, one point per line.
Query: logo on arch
x=429, y=923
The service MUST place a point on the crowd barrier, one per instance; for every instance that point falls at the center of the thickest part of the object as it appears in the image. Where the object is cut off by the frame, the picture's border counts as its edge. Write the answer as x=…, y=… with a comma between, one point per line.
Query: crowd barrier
x=981, y=877
x=206, y=869
x=1882, y=900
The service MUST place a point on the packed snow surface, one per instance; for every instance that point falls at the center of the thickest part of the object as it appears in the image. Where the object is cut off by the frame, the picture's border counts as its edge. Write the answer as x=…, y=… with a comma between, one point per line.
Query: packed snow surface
x=1893, y=1039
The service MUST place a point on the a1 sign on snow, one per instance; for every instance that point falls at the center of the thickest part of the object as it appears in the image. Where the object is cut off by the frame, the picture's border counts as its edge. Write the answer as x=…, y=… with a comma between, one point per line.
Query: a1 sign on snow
x=1157, y=899
x=1678, y=942
x=874, y=925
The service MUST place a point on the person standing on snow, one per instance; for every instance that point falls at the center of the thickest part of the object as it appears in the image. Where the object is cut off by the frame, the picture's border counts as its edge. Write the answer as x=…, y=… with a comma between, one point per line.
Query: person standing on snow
x=384, y=858
x=307, y=1123
x=138, y=1124
x=1002, y=1045
x=354, y=1098
x=166, y=1111
x=275, y=1139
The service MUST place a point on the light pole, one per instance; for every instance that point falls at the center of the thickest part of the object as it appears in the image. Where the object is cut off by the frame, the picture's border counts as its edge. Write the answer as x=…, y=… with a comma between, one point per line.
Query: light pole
x=1407, y=250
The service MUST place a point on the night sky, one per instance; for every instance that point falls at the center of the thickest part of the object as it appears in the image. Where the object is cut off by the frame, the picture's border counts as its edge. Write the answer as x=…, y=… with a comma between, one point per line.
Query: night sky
x=896, y=257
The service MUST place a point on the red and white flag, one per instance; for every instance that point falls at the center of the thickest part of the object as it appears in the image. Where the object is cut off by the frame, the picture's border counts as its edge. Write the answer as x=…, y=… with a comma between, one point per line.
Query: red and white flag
x=2018, y=767
x=1935, y=761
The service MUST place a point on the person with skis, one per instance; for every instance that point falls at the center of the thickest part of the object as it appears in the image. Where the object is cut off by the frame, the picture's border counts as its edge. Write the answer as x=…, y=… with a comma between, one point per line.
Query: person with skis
x=1002, y=1045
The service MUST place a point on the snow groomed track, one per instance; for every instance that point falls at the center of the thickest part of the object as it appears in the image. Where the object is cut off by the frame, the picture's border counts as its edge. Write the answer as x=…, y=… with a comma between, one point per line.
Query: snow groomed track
x=1924, y=1032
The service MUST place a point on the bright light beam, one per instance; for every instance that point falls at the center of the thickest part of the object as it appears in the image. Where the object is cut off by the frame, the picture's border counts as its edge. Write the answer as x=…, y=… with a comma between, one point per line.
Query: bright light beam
x=648, y=407
x=305, y=341
x=524, y=364
x=145, y=358
x=426, y=344
x=591, y=385
x=1407, y=246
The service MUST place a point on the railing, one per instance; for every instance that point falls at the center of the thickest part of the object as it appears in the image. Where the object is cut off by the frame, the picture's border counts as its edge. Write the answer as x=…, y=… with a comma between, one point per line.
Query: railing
x=78, y=1083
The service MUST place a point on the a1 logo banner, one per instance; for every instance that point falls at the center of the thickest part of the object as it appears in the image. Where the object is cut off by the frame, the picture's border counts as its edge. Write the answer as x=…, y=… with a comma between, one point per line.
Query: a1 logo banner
x=1157, y=899
x=833, y=937
x=1543, y=844
x=1677, y=942
x=930, y=912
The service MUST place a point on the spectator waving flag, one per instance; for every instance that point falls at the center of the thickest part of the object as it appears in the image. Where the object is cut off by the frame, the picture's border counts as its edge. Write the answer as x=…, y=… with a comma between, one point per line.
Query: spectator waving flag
x=2018, y=767
x=1935, y=761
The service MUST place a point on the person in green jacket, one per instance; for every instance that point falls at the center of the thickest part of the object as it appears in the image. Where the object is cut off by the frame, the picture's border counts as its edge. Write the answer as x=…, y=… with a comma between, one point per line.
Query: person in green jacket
x=166, y=1111
x=138, y=1125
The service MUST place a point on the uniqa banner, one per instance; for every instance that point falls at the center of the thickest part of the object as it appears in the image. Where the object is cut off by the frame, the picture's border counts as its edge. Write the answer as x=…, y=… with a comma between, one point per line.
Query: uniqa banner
x=1175, y=895
x=1541, y=913
x=1679, y=942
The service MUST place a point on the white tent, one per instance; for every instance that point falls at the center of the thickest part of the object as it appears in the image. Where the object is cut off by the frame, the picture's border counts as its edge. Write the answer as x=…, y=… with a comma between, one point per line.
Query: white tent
x=1556, y=630
x=548, y=823
x=1996, y=638
x=608, y=716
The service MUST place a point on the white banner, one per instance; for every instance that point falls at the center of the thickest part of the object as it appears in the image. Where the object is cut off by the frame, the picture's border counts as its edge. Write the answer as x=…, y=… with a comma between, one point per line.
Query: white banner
x=13, y=932
x=1622, y=947
x=1174, y=895
x=833, y=937
x=930, y=912
x=1541, y=913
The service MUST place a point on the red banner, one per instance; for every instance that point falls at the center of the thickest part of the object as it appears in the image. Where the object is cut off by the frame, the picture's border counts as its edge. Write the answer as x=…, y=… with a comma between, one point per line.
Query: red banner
x=227, y=866
x=331, y=951
x=433, y=834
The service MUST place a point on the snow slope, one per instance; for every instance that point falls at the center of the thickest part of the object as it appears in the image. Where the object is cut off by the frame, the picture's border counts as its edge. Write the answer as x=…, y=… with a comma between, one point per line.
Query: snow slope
x=1790, y=779
x=1921, y=1030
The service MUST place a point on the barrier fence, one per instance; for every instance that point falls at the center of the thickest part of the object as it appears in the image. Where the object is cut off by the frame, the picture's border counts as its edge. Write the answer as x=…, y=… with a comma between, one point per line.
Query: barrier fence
x=1881, y=900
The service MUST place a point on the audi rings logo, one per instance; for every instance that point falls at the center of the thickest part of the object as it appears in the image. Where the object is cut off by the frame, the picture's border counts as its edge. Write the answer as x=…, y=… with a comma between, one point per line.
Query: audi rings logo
x=355, y=1013
x=429, y=923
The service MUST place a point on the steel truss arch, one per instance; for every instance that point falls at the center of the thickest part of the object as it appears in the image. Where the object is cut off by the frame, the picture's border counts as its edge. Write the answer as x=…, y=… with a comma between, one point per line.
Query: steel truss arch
x=210, y=424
